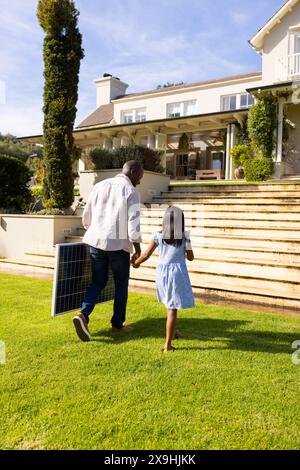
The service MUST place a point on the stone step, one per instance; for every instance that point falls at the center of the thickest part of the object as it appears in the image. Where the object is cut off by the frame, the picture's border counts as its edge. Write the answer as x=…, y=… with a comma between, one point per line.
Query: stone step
x=194, y=192
x=243, y=268
x=220, y=241
x=262, y=232
x=251, y=256
x=168, y=197
x=26, y=267
x=225, y=214
x=215, y=296
x=28, y=262
x=232, y=282
x=197, y=186
x=233, y=206
x=39, y=255
x=240, y=254
x=274, y=243
x=201, y=221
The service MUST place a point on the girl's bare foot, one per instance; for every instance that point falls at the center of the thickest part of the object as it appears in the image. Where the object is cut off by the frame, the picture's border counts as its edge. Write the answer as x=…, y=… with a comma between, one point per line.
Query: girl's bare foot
x=168, y=349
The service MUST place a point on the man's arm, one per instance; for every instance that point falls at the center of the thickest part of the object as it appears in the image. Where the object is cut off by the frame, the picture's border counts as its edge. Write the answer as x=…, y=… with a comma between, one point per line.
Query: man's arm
x=134, y=224
x=87, y=213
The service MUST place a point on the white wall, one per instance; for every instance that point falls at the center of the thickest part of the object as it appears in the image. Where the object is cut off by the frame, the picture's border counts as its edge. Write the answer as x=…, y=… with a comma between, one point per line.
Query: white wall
x=277, y=44
x=20, y=234
x=151, y=185
x=208, y=99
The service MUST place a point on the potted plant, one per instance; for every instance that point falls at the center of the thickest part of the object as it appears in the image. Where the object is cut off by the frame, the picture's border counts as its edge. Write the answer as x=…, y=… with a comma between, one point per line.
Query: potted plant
x=240, y=155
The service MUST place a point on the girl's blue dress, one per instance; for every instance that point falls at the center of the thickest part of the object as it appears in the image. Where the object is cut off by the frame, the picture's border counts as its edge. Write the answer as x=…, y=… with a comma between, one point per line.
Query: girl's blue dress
x=172, y=279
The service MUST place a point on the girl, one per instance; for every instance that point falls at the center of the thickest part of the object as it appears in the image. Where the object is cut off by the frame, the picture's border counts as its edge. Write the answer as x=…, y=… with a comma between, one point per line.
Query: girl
x=172, y=279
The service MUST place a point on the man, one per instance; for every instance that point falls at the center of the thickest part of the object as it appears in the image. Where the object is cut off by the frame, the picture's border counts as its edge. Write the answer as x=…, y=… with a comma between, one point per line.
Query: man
x=112, y=219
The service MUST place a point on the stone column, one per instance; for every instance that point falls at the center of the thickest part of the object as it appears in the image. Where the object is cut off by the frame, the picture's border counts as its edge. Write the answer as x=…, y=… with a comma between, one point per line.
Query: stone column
x=233, y=142
x=279, y=141
x=228, y=148
x=125, y=141
x=151, y=141
x=107, y=144
x=116, y=142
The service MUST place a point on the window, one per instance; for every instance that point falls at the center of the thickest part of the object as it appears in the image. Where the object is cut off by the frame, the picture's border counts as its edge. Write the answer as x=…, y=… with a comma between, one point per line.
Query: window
x=185, y=108
x=134, y=115
x=174, y=110
x=228, y=103
x=246, y=100
x=128, y=117
x=232, y=102
x=140, y=115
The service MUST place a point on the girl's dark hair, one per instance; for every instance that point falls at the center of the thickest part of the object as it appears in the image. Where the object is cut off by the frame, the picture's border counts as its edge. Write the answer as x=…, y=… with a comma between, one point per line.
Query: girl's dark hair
x=173, y=226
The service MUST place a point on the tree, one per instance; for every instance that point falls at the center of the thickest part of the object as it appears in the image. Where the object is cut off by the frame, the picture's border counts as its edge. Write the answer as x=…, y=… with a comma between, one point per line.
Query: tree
x=10, y=145
x=14, y=180
x=62, y=55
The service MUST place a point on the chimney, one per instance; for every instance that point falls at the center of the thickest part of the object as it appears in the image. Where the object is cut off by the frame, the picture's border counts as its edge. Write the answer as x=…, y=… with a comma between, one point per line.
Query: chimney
x=108, y=88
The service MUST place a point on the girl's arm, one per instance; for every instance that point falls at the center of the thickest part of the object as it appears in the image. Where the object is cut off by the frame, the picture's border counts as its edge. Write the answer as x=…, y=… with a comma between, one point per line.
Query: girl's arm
x=188, y=247
x=190, y=255
x=150, y=250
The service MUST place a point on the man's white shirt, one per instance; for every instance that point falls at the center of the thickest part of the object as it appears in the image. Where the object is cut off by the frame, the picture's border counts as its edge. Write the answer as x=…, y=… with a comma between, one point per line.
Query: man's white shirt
x=112, y=215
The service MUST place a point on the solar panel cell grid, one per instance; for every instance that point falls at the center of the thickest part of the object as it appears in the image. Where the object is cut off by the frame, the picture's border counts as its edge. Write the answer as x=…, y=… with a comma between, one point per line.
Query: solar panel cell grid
x=72, y=276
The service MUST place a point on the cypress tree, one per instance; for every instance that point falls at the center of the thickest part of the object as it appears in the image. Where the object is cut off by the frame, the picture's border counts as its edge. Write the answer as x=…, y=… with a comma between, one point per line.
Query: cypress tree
x=62, y=55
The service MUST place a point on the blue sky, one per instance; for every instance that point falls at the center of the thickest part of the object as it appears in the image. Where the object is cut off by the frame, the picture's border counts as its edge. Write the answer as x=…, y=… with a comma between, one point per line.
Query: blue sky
x=145, y=43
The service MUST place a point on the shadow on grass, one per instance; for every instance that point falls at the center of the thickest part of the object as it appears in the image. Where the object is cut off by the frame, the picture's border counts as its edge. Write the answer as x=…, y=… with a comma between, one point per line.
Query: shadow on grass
x=207, y=330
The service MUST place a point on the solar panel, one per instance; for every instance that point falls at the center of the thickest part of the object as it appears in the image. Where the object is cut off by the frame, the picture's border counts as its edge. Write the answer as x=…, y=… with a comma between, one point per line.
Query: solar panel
x=72, y=276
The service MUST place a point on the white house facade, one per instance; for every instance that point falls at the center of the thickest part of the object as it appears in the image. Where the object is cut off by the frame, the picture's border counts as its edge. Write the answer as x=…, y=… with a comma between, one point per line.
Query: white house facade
x=209, y=112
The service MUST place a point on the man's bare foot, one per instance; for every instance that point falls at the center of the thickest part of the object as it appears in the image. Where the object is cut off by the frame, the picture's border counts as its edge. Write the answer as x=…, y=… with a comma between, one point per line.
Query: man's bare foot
x=168, y=349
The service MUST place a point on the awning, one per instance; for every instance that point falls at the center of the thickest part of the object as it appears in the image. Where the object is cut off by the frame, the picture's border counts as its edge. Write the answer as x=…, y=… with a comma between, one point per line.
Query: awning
x=195, y=123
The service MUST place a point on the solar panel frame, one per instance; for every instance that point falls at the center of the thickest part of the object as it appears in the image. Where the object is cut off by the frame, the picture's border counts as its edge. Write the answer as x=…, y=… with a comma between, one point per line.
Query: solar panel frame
x=81, y=272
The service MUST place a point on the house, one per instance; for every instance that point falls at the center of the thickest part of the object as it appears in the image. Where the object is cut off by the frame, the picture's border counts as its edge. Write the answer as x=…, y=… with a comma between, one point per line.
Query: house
x=209, y=112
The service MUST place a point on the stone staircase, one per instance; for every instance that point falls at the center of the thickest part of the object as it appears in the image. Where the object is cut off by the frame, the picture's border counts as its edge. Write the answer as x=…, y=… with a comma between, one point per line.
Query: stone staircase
x=33, y=264
x=246, y=241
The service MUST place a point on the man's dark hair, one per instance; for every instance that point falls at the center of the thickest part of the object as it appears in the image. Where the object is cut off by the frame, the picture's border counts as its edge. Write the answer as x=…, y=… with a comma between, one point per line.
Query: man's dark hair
x=132, y=165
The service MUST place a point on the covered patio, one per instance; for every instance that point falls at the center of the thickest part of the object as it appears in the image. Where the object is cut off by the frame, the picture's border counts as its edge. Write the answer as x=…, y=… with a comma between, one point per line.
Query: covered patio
x=210, y=139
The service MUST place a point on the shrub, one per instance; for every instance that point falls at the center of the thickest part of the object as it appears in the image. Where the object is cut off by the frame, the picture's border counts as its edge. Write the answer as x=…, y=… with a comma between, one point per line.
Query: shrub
x=50, y=212
x=258, y=169
x=240, y=154
x=149, y=158
x=110, y=159
x=101, y=159
x=36, y=199
x=14, y=179
x=262, y=122
x=184, y=144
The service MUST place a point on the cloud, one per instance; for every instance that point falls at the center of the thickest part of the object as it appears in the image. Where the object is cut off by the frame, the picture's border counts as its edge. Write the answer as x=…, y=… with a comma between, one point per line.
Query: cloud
x=21, y=120
x=2, y=92
x=144, y=43
x=239, y=18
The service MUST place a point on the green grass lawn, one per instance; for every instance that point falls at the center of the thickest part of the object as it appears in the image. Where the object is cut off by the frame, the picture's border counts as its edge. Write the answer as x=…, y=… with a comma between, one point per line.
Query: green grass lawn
x=230, y=385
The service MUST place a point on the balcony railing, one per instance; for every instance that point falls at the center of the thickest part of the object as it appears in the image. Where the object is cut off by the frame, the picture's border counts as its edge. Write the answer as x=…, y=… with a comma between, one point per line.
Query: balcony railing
x=288, y=67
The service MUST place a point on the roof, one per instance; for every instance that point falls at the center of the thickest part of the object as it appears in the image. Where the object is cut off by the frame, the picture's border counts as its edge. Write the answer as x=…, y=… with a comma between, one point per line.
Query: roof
x=273, y=86
x=191, y=85
x=103, y=115
x=258, y=39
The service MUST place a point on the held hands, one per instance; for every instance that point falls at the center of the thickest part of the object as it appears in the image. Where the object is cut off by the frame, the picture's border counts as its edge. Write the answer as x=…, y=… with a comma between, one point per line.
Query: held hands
x=134, y=258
